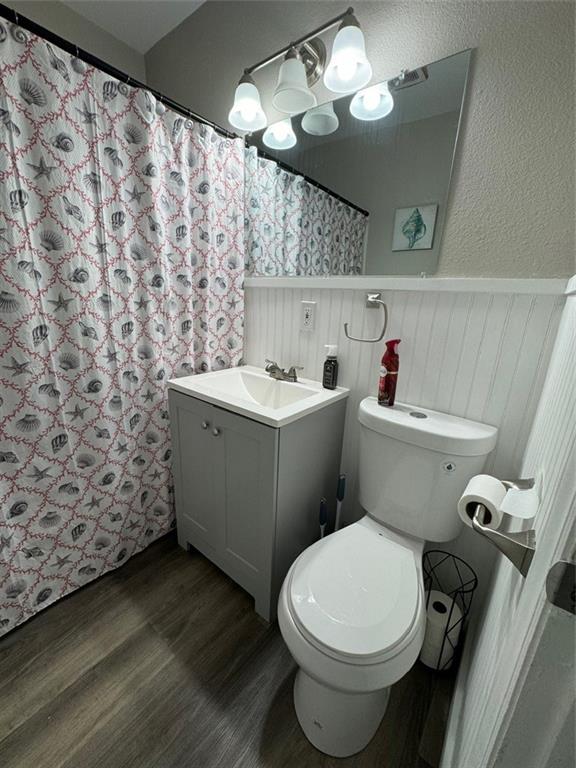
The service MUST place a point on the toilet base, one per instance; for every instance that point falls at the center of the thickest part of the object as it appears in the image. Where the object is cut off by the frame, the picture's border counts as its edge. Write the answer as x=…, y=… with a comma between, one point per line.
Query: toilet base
x=335, y=722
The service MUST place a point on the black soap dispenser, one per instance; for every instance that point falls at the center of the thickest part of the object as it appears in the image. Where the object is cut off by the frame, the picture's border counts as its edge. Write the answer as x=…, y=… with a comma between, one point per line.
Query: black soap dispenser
x=330, y=375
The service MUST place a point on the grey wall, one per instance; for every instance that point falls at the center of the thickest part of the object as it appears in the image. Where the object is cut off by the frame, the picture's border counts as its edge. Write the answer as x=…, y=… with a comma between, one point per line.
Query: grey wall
x=511, y=209
x=65, y=22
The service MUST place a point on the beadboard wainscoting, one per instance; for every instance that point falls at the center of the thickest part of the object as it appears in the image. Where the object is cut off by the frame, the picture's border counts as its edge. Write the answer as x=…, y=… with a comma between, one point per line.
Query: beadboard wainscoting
x=481, y=355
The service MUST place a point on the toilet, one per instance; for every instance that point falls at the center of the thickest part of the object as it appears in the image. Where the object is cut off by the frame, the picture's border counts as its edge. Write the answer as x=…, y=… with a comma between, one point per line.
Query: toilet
x=352, y=607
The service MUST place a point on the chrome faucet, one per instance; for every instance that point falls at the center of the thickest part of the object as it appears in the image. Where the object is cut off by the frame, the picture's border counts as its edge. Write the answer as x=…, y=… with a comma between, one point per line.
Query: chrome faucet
x=275, y=372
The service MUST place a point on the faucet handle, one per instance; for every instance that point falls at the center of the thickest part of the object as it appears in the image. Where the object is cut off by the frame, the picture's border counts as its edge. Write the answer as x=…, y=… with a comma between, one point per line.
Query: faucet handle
x=271, y=364
x=292, y=372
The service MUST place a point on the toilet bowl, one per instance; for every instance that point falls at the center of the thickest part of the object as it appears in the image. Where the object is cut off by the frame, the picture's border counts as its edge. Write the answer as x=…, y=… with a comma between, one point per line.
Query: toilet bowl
x=352, y=614
x=352, y=608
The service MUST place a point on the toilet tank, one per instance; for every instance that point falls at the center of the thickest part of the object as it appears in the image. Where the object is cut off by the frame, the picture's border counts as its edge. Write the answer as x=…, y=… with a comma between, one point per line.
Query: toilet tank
x=414, y=464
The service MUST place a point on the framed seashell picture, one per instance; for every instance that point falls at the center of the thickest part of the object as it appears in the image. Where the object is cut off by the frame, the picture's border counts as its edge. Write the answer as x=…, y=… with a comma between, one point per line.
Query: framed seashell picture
x=414, y=228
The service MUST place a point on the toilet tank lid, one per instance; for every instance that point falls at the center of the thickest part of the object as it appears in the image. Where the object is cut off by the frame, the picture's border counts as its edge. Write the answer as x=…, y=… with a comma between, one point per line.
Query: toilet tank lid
x=433, y=430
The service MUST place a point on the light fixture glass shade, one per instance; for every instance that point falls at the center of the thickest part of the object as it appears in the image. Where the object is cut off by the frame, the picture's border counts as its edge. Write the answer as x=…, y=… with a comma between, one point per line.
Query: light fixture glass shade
x=348, y=68
x=372, y=103
x=320, y=121
x=247, y=113
x=280, y=135
x=292, y=94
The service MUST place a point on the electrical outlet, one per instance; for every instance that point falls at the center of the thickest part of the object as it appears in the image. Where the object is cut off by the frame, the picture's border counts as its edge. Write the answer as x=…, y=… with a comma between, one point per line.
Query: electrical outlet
x=308, y=316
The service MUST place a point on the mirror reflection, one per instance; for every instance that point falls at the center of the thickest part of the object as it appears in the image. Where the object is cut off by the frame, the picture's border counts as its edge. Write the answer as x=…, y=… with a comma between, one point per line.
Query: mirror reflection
x=359, y=185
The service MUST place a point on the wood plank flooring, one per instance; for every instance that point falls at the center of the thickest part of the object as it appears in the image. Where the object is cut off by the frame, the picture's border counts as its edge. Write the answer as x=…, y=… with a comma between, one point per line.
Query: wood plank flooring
x=164, y=664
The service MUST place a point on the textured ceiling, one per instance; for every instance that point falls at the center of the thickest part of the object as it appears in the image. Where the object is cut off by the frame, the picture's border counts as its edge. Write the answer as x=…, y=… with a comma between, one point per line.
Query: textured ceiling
x=138, y=23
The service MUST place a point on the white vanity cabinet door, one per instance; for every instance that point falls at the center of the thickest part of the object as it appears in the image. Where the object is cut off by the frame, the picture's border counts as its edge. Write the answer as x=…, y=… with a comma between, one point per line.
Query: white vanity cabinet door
x=197, y=457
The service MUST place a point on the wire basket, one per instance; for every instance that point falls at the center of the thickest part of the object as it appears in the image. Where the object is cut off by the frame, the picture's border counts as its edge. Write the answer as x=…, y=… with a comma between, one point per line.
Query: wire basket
x=456, y=579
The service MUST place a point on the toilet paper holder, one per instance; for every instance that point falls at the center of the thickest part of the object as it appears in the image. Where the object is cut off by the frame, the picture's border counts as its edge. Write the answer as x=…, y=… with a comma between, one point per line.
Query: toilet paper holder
x=519, y=547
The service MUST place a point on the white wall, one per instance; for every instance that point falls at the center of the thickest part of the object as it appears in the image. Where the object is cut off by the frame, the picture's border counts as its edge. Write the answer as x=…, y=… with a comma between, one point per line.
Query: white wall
x=514, y=693
x=63, y=21
x=512, y=203
x=482, y=356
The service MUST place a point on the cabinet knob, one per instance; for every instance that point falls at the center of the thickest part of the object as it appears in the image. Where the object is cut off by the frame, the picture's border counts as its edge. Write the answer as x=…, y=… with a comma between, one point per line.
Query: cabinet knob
x=205, y=424
x=215, y=431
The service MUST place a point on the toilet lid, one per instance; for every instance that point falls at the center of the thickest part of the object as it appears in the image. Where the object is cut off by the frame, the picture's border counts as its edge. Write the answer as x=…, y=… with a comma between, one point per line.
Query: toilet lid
x=356, y=592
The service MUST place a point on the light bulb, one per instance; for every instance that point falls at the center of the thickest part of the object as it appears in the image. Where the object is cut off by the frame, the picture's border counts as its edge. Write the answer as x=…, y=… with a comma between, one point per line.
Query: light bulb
x=320, y=121
x=348, y=68
x=372, y=103
x=247, y=113
x=292, y=94
x=280, y=135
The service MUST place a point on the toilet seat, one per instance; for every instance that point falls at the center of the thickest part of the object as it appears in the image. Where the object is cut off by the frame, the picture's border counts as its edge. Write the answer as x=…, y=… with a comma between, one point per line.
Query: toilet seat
x=356, y=595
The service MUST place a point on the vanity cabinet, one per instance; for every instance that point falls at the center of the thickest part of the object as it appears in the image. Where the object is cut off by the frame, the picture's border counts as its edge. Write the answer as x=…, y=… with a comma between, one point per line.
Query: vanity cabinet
x=248, y=494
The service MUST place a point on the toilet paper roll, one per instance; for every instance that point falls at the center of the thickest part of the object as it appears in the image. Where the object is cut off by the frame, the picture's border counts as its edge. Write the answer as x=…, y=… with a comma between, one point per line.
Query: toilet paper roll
x=442, y=618
x=482, y=489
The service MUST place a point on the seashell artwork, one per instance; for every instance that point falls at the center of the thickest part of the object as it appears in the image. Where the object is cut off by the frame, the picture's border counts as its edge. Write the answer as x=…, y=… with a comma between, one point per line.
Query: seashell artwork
x=93, y=386
x=85, y=460
x=68, y=361
x=220, y=323
x=32, y=552
x=10, y=126
x=3, y=33
x=127, y=487
x=150, y=170
x=145, y=352
x=159, y=328
x=177, y=178
x=39, y=334
x=118, y=220
x=143, y=497
x=69, y=488
x=18, y=200
x=28, y=268
x=72, y=210
x=43, y=595
x=31, y=92
x=123, y=276
x=152, y=438
x=51, y=241
x=203, y=188
x=154, y=225
x=49, y=390
x=157, y=281
x=186, y=326
x=139, y=461
x=183, y=280
x=8, y=302
x=159, y=511
x=167, y=455
x=181, y=231
x=221, y=283
x=115, y=403
x=139, y=253
x=101, y=542
x=17, y=509
x=63, y=141
x=102, y=433
x=105, y=301
x=133, y=134
x=114, y=517
x=15, y=588
x=121, y=555
x=114, y=157
x=79, y=275
x=109, y=90
x=127, y=328
x=78, y=65
x=50, y=519
x=28, y=423
x=203, y=283
x=78, y=531
x=88, y=331
x=59, y=442
x=108, y=478
x=57, y=63
x=87, y=570
x=130, y=376
x=134, y=420
x=8, y=457
x=160, y=375
x=123, y=89
x=92, y=181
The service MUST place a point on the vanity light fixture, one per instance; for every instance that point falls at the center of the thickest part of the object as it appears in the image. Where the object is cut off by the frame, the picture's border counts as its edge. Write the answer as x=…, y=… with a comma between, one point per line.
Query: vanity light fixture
x=247, y=113
x=280, y=135
x=320, y=121
x=292, y=94
x=372, y=103
x=348, y=68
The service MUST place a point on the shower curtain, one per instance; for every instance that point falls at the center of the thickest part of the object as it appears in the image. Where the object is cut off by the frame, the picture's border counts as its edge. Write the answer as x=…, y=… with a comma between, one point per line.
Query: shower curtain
x=121, y=266
x=294, y=227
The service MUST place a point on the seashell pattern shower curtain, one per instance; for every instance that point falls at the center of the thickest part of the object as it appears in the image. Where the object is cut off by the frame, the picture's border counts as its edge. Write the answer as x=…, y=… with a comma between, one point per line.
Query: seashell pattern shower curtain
x=294, y=227
x=121, y=266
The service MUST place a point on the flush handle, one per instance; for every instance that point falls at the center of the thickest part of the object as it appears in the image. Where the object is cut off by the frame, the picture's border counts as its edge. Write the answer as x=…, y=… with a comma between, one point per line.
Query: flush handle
x=215, y=431
x=205, y=424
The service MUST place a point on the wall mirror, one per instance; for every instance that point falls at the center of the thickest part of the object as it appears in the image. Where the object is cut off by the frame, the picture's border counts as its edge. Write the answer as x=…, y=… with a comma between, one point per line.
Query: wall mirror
x=359, y=185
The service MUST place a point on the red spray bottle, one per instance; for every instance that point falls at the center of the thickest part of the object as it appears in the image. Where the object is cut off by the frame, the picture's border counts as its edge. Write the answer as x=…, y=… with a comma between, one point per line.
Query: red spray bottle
x=389, y=373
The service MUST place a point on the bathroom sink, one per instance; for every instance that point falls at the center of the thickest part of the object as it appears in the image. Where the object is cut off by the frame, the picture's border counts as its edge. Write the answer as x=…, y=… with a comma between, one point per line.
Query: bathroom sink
x=251, y=392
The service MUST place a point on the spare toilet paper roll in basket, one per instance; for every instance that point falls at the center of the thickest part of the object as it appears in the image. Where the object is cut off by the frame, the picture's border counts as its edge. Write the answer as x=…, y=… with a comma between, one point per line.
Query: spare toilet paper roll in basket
x=482, y=489
x=442, y=617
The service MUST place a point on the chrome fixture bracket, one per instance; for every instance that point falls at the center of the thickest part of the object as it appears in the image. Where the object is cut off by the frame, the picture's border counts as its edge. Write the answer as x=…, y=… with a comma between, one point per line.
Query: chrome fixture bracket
x=313, y=56
x=521, y=484
x=373, y=301
x=519, y=548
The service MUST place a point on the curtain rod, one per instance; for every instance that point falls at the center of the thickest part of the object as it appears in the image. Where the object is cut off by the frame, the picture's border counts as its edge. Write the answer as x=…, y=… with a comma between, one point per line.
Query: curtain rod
x=296, y=172
x=22, y=21
x=37, y=29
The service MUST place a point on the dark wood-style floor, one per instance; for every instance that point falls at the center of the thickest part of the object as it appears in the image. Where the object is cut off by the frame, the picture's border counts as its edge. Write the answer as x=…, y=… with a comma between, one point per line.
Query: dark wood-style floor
x=164, y=664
